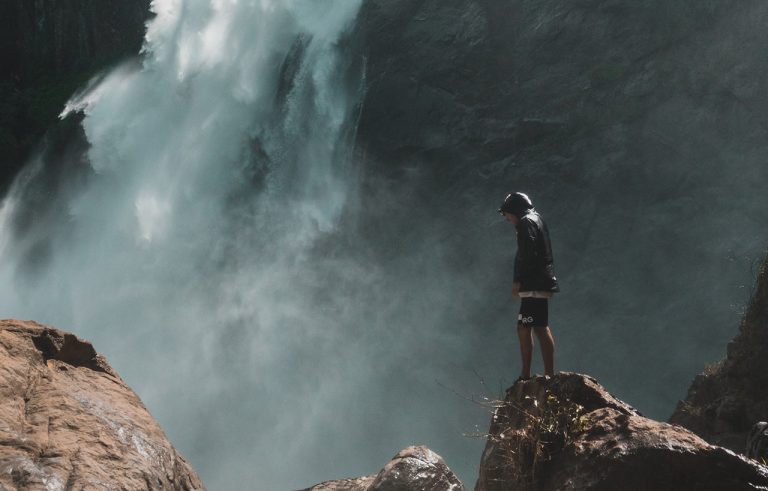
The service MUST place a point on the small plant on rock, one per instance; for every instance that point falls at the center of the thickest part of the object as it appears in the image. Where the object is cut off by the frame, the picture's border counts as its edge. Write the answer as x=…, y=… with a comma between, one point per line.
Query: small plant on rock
x=531, y=432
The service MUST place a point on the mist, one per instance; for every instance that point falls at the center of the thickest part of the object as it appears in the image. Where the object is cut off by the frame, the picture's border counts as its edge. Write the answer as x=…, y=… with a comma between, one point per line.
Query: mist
x=187, y=250
x=291, y=313
x=208, y=239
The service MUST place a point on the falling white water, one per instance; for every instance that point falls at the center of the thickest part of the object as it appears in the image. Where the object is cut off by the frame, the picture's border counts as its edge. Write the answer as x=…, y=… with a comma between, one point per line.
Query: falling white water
x=186, y=253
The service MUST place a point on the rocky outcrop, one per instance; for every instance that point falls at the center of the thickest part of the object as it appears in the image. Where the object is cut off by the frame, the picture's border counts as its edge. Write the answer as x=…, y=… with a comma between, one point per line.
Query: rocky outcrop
x=568, y=432
x=67, y=420
x=413, y=468
x=725, y=401
x=48, y=49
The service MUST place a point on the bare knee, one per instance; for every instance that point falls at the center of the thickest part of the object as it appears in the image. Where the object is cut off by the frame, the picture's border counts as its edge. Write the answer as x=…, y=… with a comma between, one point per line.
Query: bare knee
x=543, y=333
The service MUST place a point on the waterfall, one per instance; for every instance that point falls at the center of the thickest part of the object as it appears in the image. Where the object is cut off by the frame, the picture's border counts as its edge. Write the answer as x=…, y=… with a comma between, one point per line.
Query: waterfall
x=197, y=247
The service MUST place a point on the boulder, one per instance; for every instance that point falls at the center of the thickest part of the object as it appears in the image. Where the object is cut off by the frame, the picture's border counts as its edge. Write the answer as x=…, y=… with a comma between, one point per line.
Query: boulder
x=568, y=432
x=68, y=421
x=415, y=467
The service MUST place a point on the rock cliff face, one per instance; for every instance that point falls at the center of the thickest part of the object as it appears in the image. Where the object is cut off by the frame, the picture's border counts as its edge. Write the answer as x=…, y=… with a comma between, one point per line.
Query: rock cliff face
x=725, y=401
x=626, y=121
x=48, y=49
x=412, y=468
x=67, y=420
x=568, y=432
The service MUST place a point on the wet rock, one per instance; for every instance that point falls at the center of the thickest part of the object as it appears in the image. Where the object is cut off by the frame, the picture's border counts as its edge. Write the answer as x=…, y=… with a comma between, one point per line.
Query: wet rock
x=416, y=468
x=413, y=468
x=568, y=432
x=68, y=421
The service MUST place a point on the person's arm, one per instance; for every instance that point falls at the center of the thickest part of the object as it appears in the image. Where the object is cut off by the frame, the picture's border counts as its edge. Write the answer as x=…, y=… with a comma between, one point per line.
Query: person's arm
x=526, y=253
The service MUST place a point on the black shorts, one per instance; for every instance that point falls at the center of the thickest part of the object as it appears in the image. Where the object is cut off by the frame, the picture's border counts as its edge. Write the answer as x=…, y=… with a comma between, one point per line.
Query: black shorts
x=534, y=312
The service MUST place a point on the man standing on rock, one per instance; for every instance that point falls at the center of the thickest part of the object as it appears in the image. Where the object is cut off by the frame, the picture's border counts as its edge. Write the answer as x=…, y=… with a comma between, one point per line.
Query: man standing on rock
x=534, y=280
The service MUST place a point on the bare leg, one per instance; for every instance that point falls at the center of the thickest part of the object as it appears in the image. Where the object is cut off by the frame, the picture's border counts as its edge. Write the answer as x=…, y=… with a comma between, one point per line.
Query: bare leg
x=526, y=349
x=547, y=343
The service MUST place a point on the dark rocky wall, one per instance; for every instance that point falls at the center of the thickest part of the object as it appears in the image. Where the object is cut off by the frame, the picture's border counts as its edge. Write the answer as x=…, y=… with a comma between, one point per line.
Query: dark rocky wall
x=492, y=77
x=638, y=128
x=48, y=49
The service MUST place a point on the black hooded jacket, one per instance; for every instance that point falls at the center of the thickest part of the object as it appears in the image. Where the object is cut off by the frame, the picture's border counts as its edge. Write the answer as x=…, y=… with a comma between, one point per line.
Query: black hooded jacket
x=534, y=264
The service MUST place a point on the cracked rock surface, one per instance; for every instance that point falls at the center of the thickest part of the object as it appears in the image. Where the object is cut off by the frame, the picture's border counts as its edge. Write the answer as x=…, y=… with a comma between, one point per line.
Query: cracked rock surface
x=68, y=421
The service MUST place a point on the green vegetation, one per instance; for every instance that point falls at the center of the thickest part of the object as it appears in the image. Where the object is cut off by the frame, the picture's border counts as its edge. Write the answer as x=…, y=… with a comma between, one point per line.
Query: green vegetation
x=549, y=427
x=561, y=418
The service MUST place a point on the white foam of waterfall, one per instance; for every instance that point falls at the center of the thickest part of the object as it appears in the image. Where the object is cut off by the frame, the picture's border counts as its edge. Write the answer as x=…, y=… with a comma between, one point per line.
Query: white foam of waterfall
x=217, y=167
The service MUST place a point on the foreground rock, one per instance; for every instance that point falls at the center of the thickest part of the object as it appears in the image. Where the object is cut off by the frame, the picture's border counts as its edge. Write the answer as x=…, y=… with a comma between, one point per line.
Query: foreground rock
x=725, y=401
x=67, y=420
x=411, y=469
x=570, y=433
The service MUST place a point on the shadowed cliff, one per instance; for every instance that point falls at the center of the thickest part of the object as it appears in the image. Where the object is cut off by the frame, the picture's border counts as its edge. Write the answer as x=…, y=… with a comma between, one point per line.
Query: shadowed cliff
x=729, y=397
x=48, y=50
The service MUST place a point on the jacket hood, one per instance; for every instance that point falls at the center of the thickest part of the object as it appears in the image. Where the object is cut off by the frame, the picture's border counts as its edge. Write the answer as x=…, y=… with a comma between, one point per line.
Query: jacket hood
x=518, y=204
